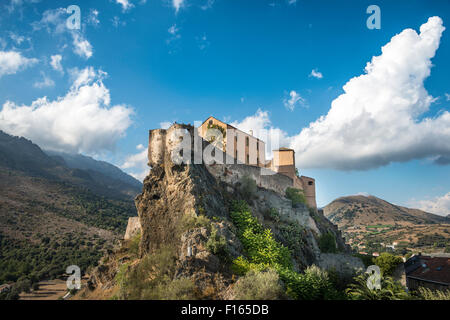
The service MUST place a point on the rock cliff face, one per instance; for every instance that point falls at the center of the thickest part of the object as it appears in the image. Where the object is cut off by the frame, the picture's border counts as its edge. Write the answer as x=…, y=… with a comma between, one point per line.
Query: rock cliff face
x=178, y=198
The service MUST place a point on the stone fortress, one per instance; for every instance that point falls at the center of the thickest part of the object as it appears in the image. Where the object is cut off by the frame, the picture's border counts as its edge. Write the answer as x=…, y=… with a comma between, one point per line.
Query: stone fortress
x=251, y=151
x=232, y=153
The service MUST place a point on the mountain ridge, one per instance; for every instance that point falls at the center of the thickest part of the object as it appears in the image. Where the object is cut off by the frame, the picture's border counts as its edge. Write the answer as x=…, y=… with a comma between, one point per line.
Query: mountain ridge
x=370, y=224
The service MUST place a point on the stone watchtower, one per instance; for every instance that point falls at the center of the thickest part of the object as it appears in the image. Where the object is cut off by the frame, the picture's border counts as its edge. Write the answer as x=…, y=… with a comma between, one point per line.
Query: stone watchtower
x=284, y=163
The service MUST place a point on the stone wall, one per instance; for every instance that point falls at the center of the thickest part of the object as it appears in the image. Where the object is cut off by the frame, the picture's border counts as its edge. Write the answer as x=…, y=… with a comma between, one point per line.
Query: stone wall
x=344, y=264
x=232, y=173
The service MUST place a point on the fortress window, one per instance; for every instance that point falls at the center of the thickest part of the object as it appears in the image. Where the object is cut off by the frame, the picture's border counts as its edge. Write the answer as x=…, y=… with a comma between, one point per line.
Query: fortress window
x=248, y=159
x=247, y=141
x=213, y=153
x=210, y=122
x=257, y=146
x=310, y=183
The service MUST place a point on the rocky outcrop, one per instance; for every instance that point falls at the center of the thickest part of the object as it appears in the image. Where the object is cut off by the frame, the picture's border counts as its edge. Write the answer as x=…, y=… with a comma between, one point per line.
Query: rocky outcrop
x=184, y=206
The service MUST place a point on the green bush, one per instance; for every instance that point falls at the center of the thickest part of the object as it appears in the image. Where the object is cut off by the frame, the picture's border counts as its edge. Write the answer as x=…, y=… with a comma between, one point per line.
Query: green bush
x=263, y=252
x=259, y=285
x=292, y=233
x=327, y=243
x=296, y=196
x=259, y=243
x=387, y=263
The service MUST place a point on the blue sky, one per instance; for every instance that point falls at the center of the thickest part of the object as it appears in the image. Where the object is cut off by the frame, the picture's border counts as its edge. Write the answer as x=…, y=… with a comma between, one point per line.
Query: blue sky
x=137, y=64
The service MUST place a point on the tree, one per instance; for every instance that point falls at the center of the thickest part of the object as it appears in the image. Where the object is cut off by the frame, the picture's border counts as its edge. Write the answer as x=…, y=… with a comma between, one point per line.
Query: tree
x=387, y=263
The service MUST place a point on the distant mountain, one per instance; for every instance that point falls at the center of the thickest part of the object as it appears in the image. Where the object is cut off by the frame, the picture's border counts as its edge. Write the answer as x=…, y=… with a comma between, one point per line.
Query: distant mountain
x=53, y=214
x=367, y=222
x=101, y=178
x=362, y=210
x=78, y=161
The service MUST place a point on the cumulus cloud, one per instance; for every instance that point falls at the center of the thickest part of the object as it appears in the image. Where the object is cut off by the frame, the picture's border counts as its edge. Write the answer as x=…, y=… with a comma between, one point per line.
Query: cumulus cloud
x=316, y=74
x=438, y=205
x=136, y=164
x=12, y=61
x=447, y=97
x=82, y=121
x=294, y=99
x=378, y=119
x=55, y=62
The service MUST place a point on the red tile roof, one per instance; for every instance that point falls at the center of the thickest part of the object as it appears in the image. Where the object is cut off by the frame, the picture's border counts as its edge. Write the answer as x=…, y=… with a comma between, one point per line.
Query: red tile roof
x=433, y=269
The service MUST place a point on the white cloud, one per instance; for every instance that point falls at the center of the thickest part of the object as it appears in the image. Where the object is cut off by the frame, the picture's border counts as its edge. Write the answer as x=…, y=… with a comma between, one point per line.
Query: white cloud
x=82, y=47
x=316, y=74
x=293, y=100
x=81, y=121
x=56, y=63
x=126, y=4
x=53, y=20
x=447, y=97
x=136, y=164
x=45, y=83
x=376, y=121
x=439, y=205
x=12, y=61
x=177, y=4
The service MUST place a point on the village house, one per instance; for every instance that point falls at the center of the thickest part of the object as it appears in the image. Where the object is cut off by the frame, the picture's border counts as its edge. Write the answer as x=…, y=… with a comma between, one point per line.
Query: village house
x=432, y=271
